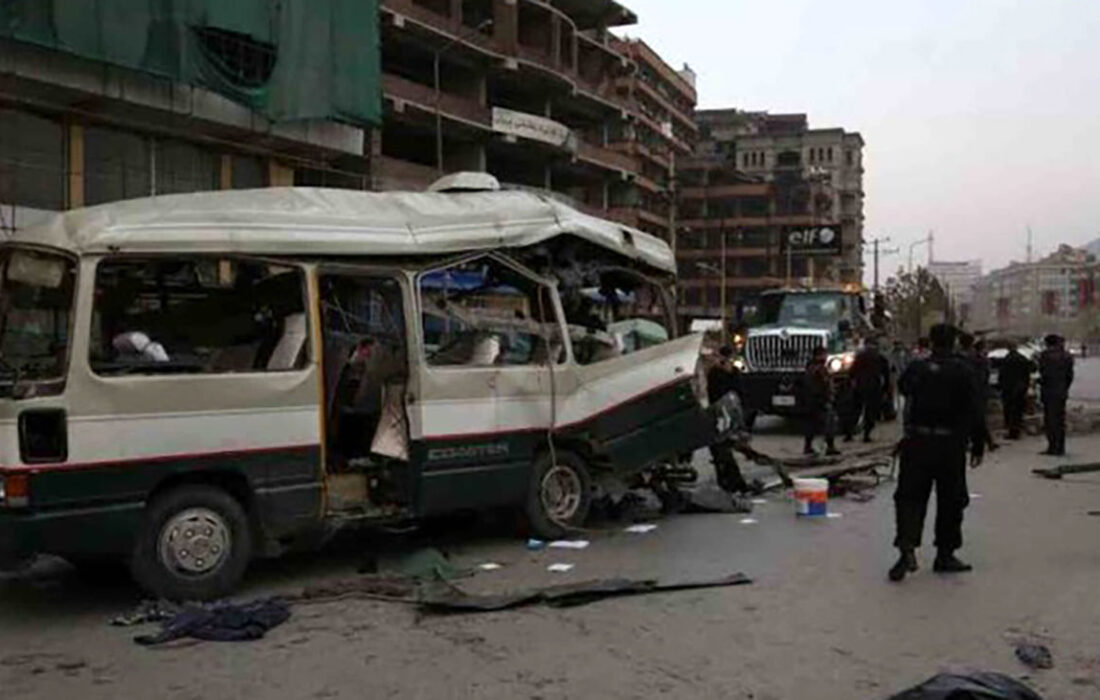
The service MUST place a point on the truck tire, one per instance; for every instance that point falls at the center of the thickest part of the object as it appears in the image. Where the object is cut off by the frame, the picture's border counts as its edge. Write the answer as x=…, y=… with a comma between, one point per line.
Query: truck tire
x=194, y=544
x=559, y=495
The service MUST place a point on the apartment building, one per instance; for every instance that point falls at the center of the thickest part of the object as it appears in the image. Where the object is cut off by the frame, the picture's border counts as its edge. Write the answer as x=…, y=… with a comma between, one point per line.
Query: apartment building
x=1056, y=294
x=528, y=91
x=179, y=97
x=767, y=201
x=958, y=279
x=660, y=133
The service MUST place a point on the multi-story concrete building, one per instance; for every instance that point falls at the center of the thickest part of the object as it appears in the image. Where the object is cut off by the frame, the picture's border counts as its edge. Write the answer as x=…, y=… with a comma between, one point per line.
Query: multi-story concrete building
x=180, y=97
x=536, y=93
x=783, y=201
x=1055, y=294
x=660, y=133
x=958, y=280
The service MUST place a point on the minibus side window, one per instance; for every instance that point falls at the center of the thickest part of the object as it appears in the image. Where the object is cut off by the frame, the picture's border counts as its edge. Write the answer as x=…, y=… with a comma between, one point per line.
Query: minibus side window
x=619, y=313
x=483, y=313
x=197, y=316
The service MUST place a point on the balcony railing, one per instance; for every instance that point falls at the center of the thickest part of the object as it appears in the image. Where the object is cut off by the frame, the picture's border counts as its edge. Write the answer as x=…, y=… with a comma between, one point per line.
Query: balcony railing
x=424, y=95
x=604, y=156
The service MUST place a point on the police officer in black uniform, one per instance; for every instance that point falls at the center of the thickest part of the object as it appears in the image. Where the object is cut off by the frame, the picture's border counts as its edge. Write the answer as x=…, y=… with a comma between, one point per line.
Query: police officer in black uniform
x=818, y=394
x=1014, y=376
x=942, y=419
x=870, y=384
x=1055, y=376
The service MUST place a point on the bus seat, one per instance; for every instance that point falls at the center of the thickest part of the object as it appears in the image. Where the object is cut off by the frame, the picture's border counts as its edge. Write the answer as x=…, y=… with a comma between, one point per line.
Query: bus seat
x=286, y=353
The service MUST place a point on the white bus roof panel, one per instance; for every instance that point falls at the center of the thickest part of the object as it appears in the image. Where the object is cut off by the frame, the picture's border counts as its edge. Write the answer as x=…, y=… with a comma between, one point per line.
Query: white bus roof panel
x=314, y=221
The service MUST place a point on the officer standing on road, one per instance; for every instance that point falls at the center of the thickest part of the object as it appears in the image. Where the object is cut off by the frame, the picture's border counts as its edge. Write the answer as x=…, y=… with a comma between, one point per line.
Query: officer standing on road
x=942, y=417
x=870, y=379
x=979, y=376
x=818, y=391
x=1014, y=377
x=723, y=378
x=1055, y=377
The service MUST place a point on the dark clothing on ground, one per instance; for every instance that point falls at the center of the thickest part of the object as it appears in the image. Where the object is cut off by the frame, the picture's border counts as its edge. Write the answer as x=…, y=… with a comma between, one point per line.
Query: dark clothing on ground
x=942, y=417
x=1055, y=376
x=721, y=380
x=817, y=387
x=1014, y=377
x=870, y=380
x=224, y=622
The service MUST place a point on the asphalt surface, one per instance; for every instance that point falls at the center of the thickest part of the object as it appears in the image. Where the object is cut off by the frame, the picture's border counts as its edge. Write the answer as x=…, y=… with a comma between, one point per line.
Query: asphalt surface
x=820, y=621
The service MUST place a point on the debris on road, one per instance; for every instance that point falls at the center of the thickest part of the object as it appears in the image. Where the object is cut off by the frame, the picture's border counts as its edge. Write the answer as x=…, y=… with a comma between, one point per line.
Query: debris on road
x=569, y=544
x=535, y=545
x=560, y=568
x=711, y=499
x=640, y=528
x=1060, y=471
x=221, y=622
x=1034, y=655
x=428, y=563
x=147, y=611
x=978, y=685
x=489, y=566
x=446, y=598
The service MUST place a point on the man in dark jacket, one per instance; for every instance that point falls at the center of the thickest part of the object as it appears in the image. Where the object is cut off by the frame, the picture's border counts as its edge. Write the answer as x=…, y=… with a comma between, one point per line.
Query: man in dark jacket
x=978, y=365
x=1014, y=377
x=870, y=379
x=1055, y=377
x=817, y=386
x=723, y=378
x=942, y=419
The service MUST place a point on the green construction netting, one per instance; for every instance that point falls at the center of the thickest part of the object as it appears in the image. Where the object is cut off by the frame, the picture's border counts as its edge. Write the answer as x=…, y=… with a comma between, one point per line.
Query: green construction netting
x=287, y=59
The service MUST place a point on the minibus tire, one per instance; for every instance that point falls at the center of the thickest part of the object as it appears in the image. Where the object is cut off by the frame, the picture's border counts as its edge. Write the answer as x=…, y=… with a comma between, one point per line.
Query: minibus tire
x=215, y=512
x=543, y=523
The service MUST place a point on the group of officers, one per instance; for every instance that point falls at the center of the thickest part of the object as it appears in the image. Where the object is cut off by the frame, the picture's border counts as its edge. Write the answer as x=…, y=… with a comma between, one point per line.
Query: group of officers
x=944, y=383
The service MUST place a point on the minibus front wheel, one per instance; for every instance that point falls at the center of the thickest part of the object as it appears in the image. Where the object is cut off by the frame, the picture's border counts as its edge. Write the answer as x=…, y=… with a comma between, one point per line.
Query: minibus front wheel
x=195, y=544
x=560, y=494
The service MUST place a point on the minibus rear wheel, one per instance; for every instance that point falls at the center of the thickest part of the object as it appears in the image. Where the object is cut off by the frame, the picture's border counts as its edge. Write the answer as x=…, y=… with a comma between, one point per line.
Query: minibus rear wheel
x=559, y=495
x=194, y=544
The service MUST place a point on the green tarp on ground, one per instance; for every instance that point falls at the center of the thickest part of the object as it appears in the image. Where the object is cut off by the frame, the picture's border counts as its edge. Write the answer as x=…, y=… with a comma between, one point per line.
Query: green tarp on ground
x=287, y=59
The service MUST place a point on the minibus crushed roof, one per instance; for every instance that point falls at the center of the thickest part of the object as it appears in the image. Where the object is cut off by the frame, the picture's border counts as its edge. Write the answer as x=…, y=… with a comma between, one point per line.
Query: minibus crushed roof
x=331, y=222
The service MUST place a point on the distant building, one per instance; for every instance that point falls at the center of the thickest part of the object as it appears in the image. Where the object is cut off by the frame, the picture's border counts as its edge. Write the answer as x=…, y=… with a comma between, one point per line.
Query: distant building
x=1055, y=294
x=958, y=280
x=757, y=183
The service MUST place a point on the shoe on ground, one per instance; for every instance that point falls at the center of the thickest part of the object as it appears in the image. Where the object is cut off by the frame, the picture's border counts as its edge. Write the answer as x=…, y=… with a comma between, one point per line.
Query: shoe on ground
x=993, y=447
x=832, y=452
x=950, y=564
x=867, y=438
x=906, y=564
x=847, y=438
x=809, y=452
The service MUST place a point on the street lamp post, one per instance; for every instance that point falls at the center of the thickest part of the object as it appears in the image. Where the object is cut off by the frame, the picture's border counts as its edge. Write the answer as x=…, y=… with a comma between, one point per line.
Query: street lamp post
x=436, y=56
x=720, y=273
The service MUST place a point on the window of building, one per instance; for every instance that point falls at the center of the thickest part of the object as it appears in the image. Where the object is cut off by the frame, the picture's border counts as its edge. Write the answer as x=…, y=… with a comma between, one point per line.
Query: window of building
x=197, y=315
x=185, y=167
x=829, y=154
x=32, y=162
x=248, y=172
x=485, y=313
x=116, y=166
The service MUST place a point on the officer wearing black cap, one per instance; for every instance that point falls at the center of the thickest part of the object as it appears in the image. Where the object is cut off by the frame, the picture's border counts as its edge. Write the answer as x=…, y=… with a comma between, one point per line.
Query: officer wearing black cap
x=1055, y=377
x=942, y=418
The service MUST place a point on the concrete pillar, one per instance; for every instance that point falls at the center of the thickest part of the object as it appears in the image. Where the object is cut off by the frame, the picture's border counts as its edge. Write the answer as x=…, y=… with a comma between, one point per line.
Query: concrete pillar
x=75, y=189
x=555, y=40
x=456, y=11
x=226, y=172
x=506, y=25
x=279, y=175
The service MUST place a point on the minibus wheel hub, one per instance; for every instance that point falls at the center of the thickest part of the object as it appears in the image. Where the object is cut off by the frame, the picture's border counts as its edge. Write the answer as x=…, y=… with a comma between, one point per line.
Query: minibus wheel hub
x=561, y=493
x=194, y=541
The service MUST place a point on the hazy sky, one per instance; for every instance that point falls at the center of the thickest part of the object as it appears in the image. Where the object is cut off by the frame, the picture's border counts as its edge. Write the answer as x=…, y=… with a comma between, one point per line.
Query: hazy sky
x=980, y=116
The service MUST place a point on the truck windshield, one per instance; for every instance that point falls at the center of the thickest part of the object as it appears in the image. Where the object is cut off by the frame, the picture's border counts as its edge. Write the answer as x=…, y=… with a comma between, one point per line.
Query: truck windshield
x=810, y=310
x=36, y=296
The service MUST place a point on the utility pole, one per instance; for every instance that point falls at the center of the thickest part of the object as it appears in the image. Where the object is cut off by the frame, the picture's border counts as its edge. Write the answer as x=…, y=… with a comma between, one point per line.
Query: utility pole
x=877, y=251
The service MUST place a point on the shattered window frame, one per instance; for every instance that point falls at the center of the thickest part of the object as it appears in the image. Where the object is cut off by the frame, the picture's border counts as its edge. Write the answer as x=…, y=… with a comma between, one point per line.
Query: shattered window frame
x=210, y=273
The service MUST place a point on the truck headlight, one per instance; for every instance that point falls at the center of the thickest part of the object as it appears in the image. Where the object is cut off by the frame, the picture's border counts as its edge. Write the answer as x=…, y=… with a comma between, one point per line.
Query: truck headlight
x=840, y=363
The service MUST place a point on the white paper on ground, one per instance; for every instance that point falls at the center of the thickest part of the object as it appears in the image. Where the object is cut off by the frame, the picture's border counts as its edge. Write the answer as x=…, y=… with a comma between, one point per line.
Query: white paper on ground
x=559, y=568
x=489, y=566
x=748, y=521
x=975, y=495
x=641, y=528
x=569, y=544
x=834, y=515
x=759, y=501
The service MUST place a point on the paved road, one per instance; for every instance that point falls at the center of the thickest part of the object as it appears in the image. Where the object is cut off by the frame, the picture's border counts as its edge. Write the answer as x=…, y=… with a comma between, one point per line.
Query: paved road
x=1086, y=384
x=819, y=622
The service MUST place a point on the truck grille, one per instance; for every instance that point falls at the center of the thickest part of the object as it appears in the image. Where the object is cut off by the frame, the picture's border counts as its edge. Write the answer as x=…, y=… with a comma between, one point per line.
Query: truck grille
x=774, y=352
